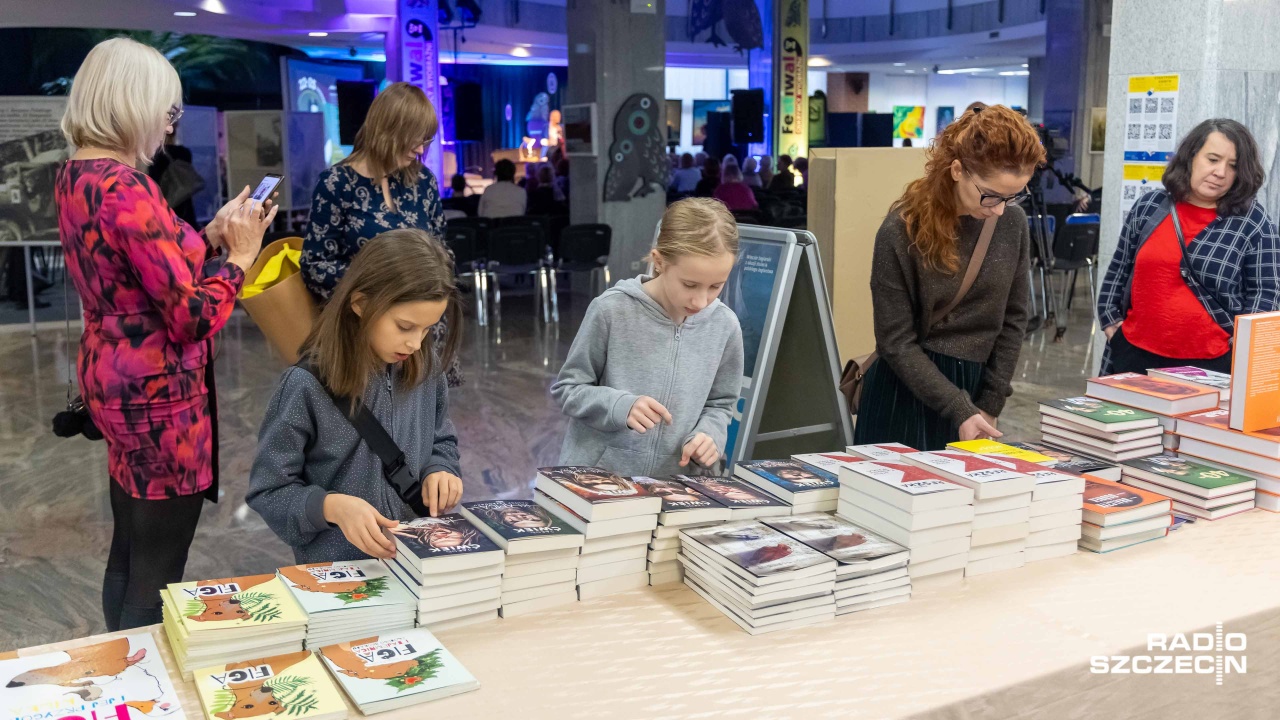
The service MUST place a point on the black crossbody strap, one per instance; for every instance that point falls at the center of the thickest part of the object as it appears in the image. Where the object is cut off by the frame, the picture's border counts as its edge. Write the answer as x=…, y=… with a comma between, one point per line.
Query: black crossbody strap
x=394, y=468
x=1188, y=271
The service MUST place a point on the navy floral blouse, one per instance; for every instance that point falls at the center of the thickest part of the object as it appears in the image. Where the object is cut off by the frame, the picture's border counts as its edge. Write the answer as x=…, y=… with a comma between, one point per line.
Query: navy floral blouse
x=348, y=210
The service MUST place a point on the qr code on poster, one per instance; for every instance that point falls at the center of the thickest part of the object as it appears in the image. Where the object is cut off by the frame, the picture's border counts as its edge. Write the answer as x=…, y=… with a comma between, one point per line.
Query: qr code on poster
x=1149, y=132
x=1135, y=106
x=1166, y=105
x=1130, y=192
x=1135, y=132
x=1152, y=104
x=1166, y=131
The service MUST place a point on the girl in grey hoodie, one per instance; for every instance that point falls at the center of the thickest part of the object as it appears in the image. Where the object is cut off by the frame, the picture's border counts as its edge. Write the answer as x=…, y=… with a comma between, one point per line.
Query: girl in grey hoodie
x=655, y=371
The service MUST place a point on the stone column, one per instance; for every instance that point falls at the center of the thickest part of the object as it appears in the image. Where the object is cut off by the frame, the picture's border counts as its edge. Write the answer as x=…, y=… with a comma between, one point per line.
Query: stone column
x=616, y=53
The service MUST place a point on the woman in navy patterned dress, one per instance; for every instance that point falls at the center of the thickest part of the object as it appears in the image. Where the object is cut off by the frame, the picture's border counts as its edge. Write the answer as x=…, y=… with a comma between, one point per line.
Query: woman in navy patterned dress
x=381, y=186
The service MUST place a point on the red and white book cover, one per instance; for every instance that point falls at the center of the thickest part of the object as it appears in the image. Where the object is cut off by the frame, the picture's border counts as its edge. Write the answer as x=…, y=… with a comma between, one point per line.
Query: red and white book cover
x=906, y=478
x=971, y=467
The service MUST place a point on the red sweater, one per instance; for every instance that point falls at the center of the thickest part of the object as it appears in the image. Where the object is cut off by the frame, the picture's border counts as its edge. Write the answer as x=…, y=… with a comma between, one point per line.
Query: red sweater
x=1167, y=318
x=736, y=196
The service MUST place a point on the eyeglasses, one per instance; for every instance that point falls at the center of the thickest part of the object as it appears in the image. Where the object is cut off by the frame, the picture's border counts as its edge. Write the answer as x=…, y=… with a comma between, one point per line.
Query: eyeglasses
x=988, y=200
x=174, y=114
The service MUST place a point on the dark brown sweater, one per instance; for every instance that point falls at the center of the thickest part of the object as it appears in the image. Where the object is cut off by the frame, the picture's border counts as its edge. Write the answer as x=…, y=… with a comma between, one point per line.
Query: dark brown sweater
x=987, y=326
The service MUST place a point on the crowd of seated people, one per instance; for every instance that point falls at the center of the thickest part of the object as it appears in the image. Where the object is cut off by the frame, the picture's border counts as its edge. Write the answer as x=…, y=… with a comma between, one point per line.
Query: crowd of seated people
x=752, y=187
x=544, y=190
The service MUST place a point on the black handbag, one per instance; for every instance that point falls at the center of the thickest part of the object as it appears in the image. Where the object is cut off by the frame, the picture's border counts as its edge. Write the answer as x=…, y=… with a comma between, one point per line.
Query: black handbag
x=394, y=469
x=75, y=420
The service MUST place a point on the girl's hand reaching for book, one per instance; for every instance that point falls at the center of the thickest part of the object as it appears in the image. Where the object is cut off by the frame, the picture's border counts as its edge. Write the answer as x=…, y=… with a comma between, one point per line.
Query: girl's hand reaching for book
x=360, y=524
x=440, y=492
x=702, y=449
x=646, y=413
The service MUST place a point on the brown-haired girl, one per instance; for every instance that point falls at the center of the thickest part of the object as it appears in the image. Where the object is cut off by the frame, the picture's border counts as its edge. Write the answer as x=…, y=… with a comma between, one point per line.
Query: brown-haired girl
x=938, y=382
x=654, y=373
x=313, y=471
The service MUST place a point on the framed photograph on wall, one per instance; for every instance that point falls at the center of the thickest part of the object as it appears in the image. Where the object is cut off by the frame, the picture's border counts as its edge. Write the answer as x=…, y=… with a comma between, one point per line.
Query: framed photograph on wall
x=581, y=131
x=1097, y=129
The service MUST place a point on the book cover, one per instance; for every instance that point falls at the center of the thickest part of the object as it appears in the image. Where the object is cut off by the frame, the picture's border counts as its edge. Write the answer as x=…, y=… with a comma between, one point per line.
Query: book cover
x=251, y=600
x=971, y=467
x=1105, y=497
x=1221, y=419
x=1199, y=376
x=1103, y=411
x=452, y=534
x=991, y=447
x=1150, y=386
x=676, y=496
x=907, y=478
x=594, y=484
x=1042, y=473
x=120, y=678
x=293, y=686
x=1176, y=468
x=757, y=548
x=829, y=462
x=1255, y=367
x=883, y=452
x=835, y=537
x=730, y=492
x=791, y=475
x=323, y=587
x=518, y=519
x=388, y=667
x=1065, y=461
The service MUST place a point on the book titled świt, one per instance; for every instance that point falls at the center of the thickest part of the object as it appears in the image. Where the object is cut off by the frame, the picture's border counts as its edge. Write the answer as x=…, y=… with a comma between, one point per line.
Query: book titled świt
x=1098, y=414
x=744, y=501
x=521, y=526
x=1152, y=394
x=681, y=504
x=1107, y=503
x=1198, y=377
x=1069, y=462
x=294, y=686
x=448, y=543
x=119, y=678
x=905, y=486
x=855, y=548
x=987, y=479
x=788, y=480
x=596, y=494
x=396, y=670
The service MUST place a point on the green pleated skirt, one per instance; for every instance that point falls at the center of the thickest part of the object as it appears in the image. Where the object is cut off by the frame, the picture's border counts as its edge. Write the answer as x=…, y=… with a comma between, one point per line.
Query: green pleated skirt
x=890, y=412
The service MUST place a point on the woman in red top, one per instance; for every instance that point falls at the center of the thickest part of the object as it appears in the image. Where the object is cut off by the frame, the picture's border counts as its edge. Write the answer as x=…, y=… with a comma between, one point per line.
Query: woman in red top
x=1181, y=300
x=154, y=293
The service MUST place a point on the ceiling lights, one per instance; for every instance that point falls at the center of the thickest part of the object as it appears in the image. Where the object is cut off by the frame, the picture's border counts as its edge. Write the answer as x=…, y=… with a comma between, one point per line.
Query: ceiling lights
x=183, y=13
x=960, y=71
x=520, y=52
x=318, y=34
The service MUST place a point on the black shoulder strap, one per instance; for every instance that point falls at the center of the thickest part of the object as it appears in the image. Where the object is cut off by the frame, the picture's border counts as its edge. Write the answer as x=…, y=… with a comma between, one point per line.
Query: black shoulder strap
x=394, y=468
x=1188, y=269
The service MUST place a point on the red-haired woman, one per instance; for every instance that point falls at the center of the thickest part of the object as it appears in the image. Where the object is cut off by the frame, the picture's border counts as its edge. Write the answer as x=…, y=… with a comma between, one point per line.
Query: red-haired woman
x=941, y=379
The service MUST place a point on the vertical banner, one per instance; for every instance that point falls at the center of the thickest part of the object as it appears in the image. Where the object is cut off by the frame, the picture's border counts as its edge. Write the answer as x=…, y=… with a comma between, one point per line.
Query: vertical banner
x=790, y=77
x=418, y=49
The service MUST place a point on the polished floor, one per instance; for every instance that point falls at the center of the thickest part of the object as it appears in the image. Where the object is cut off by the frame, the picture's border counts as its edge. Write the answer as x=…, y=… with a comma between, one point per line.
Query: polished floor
x=55, y=522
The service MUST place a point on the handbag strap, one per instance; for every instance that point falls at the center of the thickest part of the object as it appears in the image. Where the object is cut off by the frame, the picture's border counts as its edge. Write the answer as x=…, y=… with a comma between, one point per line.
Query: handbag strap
x=1188, y=273
x=970, y=272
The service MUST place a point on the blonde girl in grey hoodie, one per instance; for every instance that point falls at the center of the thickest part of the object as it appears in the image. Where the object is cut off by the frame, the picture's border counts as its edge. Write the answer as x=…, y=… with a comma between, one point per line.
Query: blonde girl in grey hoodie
x=654, y=373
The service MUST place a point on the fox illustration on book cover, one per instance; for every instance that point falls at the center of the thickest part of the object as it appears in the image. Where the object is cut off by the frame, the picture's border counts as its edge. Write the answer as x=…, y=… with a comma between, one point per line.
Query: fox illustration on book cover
x=89, y=672
x=304, y=578
x=401, y=675
x=229, y=599
x=262, y=687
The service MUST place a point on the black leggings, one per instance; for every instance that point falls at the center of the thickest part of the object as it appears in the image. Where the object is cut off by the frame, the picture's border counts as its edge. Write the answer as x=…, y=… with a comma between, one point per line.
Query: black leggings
x=148, y=551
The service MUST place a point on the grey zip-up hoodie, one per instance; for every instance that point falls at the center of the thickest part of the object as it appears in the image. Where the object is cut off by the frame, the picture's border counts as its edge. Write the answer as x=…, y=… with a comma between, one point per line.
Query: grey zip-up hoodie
x=307, y=449
x=628, y=347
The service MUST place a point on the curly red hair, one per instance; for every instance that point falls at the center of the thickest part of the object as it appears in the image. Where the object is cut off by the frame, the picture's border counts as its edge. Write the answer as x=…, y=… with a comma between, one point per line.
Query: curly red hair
x=985, y=141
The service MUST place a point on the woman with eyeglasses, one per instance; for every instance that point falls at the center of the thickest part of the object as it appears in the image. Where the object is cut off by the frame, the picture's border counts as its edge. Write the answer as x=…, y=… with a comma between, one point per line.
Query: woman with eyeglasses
x=1192, y=257
x=944, y=374
x=382, y=185
x=155, y=293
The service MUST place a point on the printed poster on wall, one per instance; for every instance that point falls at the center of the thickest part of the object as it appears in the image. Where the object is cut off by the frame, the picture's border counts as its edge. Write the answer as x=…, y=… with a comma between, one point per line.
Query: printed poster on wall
x=790, y=83
x=908, y=121
x=1139, y=179
x=1151, y=118
x=31, y=150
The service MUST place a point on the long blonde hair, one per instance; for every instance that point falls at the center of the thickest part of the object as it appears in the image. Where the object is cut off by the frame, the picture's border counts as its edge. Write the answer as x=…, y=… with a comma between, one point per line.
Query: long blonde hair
x=400, y=119
x=120, y=99
x=398, y=266
x=696, y=226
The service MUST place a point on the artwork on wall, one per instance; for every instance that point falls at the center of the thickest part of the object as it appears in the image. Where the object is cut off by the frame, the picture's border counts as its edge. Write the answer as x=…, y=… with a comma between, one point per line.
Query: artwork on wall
x=700, y=110
x=1097, y=129
x=673, y=121
x=908, y=121
x=946, y=113
x=637, y=155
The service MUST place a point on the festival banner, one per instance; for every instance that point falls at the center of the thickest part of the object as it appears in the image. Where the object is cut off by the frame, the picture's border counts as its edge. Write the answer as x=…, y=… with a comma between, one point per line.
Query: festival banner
x=790, y=77
x=418, y=46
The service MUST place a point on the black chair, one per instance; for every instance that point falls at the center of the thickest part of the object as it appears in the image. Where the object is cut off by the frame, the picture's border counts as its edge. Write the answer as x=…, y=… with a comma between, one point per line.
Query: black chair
x=555, y=230
x=480, y=225
x=585, y=248
x=469, y=263
x=1074, y=246
x=516, y=250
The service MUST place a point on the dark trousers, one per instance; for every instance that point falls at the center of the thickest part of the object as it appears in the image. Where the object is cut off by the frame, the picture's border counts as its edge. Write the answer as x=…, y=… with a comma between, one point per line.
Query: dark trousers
x=149, y=545
x=890, y=412
x=1126, y=357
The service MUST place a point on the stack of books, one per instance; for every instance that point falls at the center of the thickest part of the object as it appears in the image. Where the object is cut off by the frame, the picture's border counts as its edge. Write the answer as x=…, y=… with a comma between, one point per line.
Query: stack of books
x=915, y=508
x=1071, y=463
x=615, y=515
x=1198, y=378
x=1100, y=429
x=348, y=600
x=231, y=619
x=1162, y=398
x=760, y=578
x=991, y=447
x=871, y=571
x=394, y=671
x=1001, y=507
x=883, y=452
x=91, y=682
x=283, y=687
x=682, y=507
x=802, y=485
x=452, y=568
x=1208, y=439
x=1117, y=516
x=1196, y=490
x=744, y=501
x=534, y=539
x=1057, y=504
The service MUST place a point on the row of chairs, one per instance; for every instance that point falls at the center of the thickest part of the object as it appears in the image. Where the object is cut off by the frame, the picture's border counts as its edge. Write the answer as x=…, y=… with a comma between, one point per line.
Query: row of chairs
x=485, y=250
x=1065, y=252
